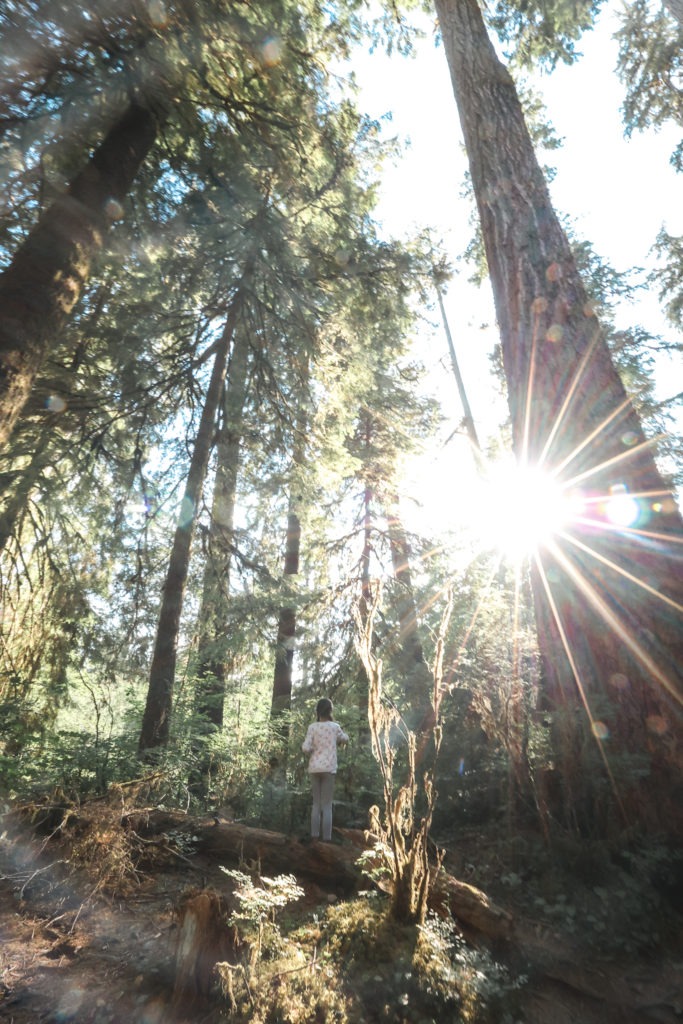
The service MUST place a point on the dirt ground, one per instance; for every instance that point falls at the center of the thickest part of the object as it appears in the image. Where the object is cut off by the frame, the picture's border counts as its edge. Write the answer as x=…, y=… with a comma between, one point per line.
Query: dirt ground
x=69, y=953
x=72, y=953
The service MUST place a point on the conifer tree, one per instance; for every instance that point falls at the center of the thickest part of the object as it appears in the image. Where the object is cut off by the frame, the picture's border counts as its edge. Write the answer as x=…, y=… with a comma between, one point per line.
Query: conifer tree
x=156, y=722
x=214, y=611
x=607, y=596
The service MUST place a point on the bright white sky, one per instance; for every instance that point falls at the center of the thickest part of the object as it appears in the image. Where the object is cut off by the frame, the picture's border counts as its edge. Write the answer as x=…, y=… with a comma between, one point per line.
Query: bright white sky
x=618, y=193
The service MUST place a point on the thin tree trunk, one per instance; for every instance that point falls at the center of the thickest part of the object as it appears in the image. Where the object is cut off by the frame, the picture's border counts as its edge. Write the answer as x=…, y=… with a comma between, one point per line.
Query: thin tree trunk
x=286, y=627
x=608, y=599
x=468, y=419
x=157, y=716
x=212, y=659
x=366, y=597
x=366, y=555
x=44, y=281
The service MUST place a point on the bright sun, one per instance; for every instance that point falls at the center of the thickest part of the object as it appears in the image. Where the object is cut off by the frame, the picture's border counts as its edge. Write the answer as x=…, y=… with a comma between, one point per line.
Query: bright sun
x=502, y=506
x=522, y=508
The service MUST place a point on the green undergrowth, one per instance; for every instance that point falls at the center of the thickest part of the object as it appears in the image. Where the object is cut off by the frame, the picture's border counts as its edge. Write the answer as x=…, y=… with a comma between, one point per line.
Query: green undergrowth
x=613, y=898
x=352, y=963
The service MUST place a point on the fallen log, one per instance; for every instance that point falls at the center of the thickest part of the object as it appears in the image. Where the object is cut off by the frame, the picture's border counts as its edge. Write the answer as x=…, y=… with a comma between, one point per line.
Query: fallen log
x=469, y=905
x=328, y=864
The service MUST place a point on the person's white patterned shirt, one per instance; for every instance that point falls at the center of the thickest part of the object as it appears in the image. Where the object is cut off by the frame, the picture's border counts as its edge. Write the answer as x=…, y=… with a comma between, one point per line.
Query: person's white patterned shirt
x=321, y=743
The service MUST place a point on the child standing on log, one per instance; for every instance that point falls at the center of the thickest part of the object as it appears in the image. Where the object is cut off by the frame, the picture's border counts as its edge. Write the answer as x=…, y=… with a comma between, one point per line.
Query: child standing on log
x=322, y=739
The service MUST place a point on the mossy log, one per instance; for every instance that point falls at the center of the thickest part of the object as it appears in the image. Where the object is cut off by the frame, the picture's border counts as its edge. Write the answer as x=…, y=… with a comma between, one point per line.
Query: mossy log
x=328, y=864
x=469, y=905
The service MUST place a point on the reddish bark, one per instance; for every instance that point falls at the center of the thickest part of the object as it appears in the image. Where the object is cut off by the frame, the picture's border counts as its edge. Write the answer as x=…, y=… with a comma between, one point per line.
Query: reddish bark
x=608, y=599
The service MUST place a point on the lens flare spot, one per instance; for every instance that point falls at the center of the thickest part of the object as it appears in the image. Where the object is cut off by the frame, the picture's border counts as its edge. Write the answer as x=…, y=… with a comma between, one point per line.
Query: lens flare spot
x=589, y=308
x=555, y=333
x=271, y=52
x=600, y=730
x=554, y=272
x=113, y=209
x=621, y=508
x=619, y=681
x=539, y=305
x=70, y=1003
x=55, y=403
x=657, y=725
x=157, y=13
x=629, y=438
x=186, y=511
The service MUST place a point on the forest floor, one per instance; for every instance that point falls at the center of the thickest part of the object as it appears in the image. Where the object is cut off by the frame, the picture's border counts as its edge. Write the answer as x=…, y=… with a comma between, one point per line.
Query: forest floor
x=77, y=948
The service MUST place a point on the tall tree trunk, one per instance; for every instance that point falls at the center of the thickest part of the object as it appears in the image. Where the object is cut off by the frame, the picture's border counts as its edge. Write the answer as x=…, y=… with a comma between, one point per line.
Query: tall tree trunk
x=157, y=716
x=366, y=595
x=42, y=450
x=212, y=661
x=608, y=599
x=44, y=281
x=286, y=626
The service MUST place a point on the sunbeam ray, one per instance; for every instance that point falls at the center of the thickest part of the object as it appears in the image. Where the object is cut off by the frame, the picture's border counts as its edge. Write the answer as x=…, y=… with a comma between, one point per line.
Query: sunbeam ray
x=633, y=531
x=622, y=572
x=613, y=461
x=576, y=451
x=579, y=684
x=571, y=390
x=611, y=619
x=452, y=668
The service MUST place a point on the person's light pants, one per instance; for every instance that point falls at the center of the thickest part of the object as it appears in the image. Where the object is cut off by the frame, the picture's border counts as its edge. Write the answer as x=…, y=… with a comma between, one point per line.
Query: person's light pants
x=322, y=784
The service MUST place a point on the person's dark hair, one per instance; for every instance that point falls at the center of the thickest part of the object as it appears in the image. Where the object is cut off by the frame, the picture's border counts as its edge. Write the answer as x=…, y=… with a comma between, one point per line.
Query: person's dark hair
x=323, y=709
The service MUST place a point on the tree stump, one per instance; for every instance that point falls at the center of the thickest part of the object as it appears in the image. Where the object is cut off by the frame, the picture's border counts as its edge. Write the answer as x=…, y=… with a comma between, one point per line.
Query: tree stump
x=204, y=938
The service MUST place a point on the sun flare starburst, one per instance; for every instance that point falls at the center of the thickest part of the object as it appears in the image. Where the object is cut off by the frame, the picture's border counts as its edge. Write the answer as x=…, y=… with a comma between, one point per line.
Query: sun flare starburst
x=523, y=508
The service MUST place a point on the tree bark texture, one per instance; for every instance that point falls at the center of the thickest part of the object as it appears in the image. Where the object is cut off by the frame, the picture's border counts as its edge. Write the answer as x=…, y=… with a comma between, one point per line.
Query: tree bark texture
x=204, y=937
x=155, y=729
x=41, y=286
x=608, y=598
